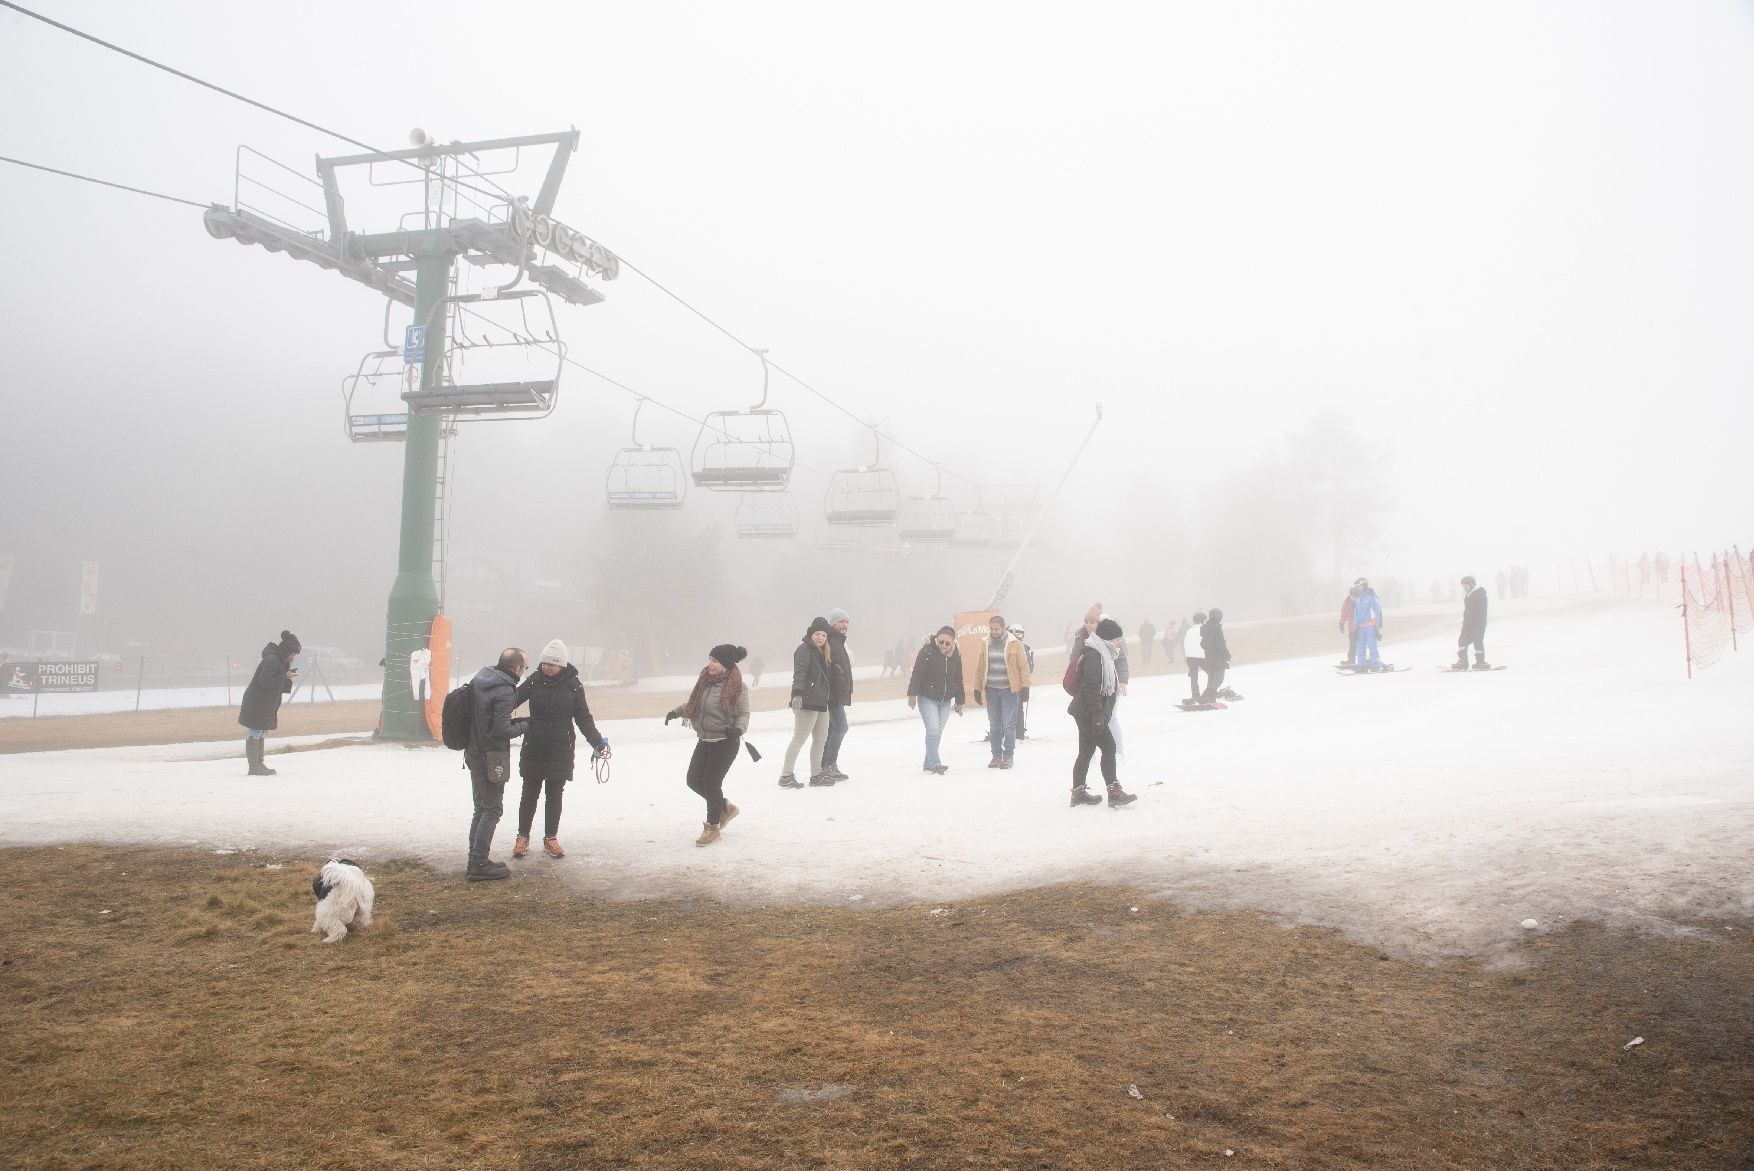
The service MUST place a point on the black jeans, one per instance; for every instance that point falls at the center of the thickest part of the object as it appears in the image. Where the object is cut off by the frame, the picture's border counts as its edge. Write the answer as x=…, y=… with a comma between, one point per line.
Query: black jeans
x=712, y=759
x=1352, y=645
x=533, y=787
x=1195, y=666
x=1091, y=738
x=487, y=777
x=1214, y=680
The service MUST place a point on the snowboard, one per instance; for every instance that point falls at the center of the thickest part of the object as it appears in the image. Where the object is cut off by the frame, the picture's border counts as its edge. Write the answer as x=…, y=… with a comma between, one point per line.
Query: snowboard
x=1452, y=669
x=1385, y=669
x=1201, y=707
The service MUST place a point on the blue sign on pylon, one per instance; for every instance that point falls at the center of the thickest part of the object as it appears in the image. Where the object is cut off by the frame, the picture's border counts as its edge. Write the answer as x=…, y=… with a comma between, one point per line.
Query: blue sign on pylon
x=414, y=344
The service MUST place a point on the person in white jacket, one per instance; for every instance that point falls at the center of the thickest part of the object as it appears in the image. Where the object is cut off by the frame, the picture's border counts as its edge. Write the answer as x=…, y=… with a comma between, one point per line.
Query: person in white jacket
x=1195, y=655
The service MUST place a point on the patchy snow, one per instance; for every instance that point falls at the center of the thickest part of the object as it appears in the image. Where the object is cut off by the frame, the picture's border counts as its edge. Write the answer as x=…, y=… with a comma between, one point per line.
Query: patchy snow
x=1426, y=813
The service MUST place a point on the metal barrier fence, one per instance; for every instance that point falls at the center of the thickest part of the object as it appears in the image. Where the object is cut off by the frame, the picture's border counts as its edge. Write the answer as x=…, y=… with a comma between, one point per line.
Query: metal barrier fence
x=162, y=682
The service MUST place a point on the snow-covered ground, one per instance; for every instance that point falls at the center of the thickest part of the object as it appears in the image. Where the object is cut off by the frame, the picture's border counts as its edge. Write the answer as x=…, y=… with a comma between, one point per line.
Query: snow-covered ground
x=1422, y=812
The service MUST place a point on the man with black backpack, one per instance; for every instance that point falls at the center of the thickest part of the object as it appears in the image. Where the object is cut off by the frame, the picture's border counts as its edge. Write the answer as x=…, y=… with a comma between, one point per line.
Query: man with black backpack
x=488, y=753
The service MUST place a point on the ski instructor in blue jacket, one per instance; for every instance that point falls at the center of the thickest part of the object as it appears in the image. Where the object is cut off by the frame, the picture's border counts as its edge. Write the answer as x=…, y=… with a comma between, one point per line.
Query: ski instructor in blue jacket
x=1367, y=619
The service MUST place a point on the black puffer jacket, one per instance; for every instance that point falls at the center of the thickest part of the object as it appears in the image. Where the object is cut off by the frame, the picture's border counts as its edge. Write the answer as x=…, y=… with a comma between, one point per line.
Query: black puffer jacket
x=936, y=675
x=261, y=705
x=810, y=677
x=1474, y=612
x=1212, y=642
x=1088, y=702
x=843, y=668
x=557, y=705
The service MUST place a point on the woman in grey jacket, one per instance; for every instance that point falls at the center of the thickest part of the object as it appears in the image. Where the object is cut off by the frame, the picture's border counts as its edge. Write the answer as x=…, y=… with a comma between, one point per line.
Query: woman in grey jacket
x=812, y=691
x=718, y=711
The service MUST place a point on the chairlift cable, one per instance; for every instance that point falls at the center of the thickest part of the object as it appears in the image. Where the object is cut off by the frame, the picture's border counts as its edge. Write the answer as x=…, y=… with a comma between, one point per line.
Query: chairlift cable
x=104, y=182
x=145, y=60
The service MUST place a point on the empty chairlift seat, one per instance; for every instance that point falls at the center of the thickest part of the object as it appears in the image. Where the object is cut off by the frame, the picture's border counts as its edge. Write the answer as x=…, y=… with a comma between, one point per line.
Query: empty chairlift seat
x=927, y=518
x=863, y=498
x=766, y=515
x=646, y=478
x=744, y=451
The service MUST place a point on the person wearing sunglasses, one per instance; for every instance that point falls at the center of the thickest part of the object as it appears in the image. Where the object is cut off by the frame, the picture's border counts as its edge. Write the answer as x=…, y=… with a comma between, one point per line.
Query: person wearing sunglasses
x=934, y=689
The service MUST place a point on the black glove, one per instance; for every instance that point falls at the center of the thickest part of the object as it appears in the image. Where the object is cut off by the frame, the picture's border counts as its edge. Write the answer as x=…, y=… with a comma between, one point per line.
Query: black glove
x=977, y=700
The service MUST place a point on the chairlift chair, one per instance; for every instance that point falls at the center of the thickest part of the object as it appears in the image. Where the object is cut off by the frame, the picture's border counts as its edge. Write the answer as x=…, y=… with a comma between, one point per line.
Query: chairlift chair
x=839, y=540
x=380, y=368
x=744, y=451
x=767, y=516
x=863, y=497
x=645, y=478
x=928, y=518
x=461, y=391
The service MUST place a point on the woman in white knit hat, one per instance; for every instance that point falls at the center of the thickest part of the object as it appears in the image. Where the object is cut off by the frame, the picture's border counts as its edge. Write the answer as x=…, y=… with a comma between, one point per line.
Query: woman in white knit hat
x=556, y=696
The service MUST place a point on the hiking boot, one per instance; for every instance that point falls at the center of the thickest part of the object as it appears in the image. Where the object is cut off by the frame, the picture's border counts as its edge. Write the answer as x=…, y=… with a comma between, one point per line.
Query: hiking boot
x=1004, y=762
x=790, y=782
x=730, y=812
x=833, y=770
x=487, y=870
x=709, y=833
x=821, y=780
x=1083, y=796
x=552, y=846
x=938, y=769
x=995, y=762
x=521, y=846
x=1482, y=665
x=1461, y=663
x=1118, y=797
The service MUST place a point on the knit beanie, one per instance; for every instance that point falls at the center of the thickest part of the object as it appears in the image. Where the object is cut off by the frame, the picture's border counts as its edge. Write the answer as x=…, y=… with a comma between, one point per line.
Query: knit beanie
x=727, y=656
x=818, y=624
x=1108, y=628
x=838, y=616
x=554, y=652
x=1092, y=614
x=289, y=643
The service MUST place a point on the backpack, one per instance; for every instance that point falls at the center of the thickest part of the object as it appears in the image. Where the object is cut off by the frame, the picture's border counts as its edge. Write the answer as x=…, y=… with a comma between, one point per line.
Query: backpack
x=457, y=720
x=1070, y=680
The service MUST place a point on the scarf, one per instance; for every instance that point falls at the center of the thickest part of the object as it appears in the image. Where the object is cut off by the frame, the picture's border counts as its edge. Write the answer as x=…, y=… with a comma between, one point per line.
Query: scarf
x=733, y=681
x=1110, y=679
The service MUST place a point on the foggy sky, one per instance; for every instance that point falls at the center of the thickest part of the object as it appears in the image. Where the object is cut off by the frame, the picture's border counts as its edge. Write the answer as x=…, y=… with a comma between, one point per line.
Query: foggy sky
x=1510, y=241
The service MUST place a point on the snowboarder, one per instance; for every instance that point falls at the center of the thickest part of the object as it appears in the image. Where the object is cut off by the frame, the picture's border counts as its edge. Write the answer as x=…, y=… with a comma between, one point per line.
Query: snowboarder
x=1367, y=621
x=934, y=689
x=1194, y=654
x=1216, y=652
x=556, y=696
x=1091, y=707
x=1473, y=627
x=1347, y=607
x=260, y=710
x=1147, y=642
x=718, y=711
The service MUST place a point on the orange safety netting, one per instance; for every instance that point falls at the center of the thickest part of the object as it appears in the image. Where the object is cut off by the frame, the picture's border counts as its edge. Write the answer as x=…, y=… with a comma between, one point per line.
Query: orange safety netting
x=1717, y=606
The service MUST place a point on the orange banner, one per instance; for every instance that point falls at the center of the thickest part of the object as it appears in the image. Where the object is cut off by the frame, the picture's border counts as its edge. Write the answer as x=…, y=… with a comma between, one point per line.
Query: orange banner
x=438, y=674
x=971, y=640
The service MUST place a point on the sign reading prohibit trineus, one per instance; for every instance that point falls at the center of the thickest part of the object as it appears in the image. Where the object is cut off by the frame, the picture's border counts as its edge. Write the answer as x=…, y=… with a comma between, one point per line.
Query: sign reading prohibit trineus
x=35, y=678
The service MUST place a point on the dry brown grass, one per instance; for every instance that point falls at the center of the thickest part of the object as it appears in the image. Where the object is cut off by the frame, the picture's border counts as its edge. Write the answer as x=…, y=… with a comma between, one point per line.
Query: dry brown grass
x=514, y=1024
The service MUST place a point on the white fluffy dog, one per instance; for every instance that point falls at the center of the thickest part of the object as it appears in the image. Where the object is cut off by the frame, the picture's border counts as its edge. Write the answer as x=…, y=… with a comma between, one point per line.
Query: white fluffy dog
x=344, y=899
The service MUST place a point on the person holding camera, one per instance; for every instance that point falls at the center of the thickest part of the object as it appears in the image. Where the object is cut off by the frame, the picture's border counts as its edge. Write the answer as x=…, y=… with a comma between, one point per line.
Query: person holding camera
x=260, y=709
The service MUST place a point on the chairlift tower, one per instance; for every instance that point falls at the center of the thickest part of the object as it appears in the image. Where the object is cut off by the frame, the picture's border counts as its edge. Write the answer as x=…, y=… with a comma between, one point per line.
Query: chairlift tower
x=463, y=214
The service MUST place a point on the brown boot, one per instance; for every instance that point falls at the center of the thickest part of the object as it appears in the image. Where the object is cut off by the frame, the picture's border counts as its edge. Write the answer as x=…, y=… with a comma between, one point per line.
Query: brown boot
x=709, y=834
x=552, y=845
x=521, y=846
x=730, y=812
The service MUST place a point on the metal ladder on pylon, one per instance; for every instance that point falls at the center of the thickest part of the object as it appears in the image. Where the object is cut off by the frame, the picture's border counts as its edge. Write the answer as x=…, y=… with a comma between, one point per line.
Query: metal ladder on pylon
x=441, y=509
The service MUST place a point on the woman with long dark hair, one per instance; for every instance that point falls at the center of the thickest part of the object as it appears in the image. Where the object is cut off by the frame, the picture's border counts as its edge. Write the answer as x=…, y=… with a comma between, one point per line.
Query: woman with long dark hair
x=718, y=711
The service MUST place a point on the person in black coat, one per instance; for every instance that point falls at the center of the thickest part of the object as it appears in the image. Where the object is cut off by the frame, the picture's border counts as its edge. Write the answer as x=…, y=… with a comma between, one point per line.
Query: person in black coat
x=842, y=664
x=934, y=689
x=556, y=696
x=1473, y=627
x=260, y=710
x=812, y=693
x=1216, y=652
x=1092, y=706
x=488, y=756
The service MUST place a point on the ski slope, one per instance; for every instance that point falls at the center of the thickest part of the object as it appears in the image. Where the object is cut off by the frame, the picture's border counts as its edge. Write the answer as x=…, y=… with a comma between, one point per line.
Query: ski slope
x=1421, y=812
